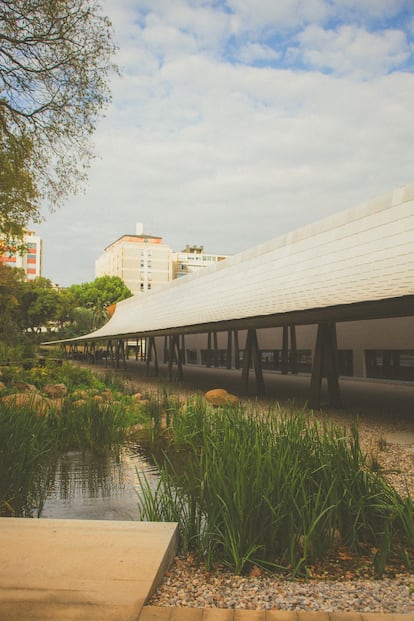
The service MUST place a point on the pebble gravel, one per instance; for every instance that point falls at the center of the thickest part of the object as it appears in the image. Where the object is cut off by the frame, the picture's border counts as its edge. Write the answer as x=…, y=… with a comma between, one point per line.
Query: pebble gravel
x=185, y=586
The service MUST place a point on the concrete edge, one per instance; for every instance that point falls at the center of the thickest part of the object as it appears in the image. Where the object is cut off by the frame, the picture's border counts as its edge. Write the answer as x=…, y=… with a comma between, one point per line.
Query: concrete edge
x=167, y=560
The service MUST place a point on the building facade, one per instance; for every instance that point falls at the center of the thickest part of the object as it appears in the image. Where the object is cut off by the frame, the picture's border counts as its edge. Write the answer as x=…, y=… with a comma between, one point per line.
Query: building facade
x=191, y=259
x=145, y=262
x=142, y=261
x=30, y=260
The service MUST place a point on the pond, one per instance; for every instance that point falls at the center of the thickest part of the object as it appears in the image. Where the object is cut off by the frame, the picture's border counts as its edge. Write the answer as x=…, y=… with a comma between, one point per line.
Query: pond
x=95, y=486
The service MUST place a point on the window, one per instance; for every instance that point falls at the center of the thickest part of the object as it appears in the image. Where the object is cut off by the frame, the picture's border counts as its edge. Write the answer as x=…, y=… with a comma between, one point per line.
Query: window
x=141, y=286
x=149, y=286
x=149, y=276
x=390, y=363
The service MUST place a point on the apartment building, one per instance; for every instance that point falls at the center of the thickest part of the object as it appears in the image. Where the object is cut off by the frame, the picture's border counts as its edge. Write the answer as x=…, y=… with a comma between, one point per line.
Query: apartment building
x=191, y=259
x=142, y=261
x=145, y=262
x=30, y=259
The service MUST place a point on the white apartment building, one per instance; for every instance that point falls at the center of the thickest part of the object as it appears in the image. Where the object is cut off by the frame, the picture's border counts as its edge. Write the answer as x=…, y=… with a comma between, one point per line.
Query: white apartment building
x=142, y=261
x=31, y=260
x=191, y=259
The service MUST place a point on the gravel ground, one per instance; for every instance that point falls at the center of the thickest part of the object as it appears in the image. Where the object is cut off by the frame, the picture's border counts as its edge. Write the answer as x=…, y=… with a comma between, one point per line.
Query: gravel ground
x=188, y=584
x=185, y=585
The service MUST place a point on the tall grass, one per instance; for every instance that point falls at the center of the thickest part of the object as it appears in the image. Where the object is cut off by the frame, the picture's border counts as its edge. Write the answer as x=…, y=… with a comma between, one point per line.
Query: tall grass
x=271, y=488
x=25, y=444
x=31, y=439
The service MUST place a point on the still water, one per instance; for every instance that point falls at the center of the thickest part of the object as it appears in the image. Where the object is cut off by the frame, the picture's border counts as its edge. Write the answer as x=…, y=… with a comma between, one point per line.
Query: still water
x=90, y=486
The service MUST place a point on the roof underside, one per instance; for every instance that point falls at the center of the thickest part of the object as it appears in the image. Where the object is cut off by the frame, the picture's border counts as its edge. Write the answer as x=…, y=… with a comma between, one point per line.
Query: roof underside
x=358, y=264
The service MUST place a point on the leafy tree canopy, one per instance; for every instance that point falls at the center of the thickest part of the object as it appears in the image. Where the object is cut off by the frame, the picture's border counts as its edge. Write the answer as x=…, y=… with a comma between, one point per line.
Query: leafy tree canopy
x=99, y=294
x=55, y=60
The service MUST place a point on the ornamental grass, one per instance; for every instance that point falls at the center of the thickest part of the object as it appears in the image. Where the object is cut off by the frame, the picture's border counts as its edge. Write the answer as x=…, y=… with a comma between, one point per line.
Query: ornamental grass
x=274, y=489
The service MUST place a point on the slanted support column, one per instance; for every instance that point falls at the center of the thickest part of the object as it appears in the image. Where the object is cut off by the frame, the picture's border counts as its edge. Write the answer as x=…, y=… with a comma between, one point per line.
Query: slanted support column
x=293, y=351
x=150, y=351
x=174, y=355
x=325, y=364
x=229, y=348
x=120, y=353
x=285, y=351
x=252, y=358
x=289, y=360
x=183, y=348
x=236, y=350
x=165, y=350
x=233, y=352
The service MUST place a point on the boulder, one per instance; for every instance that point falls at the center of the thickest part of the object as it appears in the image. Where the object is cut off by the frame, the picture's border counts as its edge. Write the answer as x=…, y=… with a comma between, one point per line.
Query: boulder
x=25, y=387
x=219, y=396
x=55, y=391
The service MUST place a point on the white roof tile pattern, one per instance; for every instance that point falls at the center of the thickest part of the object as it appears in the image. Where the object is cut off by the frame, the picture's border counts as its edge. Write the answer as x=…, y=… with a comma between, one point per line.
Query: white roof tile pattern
x=362, y=254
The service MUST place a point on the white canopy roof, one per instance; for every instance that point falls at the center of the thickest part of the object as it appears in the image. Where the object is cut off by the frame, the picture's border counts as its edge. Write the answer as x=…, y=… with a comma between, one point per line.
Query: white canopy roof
x=364, y=254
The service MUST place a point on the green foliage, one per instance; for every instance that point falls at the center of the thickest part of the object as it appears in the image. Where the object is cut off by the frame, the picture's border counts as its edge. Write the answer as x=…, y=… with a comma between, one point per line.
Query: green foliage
x=25, y=443
x=272, y=489
x=18, y=193
x=90, y=417
x=39, y=304
x=55, y=61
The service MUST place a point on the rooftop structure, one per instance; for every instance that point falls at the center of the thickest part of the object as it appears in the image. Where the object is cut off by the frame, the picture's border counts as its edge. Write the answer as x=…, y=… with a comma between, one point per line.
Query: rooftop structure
x=357, y=264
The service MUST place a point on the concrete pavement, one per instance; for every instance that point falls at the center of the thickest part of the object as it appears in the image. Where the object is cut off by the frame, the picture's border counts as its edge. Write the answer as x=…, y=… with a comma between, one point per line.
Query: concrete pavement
x=80, y=570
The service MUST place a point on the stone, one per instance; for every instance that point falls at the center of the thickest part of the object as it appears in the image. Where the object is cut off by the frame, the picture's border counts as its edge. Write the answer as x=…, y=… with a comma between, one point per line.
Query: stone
x=219, y=396
x=55, y=391
x=25, y=387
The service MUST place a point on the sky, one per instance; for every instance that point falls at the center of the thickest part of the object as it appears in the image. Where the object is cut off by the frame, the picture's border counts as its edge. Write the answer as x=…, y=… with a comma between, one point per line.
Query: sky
x=233, y=122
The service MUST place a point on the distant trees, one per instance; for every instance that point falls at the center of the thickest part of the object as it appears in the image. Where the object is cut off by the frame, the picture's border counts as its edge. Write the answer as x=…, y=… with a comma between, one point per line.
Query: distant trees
x=55, y=60
x=31, y=307
x=99, y=294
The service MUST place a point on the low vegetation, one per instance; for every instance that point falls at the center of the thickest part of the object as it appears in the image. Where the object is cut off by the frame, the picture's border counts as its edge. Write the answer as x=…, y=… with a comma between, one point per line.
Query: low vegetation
x=273, y=489
x=45, y=410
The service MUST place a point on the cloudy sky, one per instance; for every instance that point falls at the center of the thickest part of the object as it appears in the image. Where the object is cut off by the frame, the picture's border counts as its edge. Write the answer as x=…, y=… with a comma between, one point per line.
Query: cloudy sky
x=235, y=121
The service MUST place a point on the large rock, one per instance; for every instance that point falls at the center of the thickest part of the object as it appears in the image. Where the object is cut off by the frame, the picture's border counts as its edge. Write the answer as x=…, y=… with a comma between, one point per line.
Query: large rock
x=219, y=396
x=24, y=387
x=55, y=391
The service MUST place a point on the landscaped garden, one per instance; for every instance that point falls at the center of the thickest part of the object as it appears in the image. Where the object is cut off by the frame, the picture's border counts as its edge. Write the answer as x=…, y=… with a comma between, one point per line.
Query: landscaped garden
x=251, y=487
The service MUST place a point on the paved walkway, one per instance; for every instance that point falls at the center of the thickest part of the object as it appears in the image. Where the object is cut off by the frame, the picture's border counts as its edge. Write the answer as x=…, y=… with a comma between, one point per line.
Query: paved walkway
x=154, y=613
x=80, y=570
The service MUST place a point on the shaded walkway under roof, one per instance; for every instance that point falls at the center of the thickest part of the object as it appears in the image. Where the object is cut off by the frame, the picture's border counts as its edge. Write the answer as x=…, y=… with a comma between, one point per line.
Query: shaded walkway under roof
x=355, y=265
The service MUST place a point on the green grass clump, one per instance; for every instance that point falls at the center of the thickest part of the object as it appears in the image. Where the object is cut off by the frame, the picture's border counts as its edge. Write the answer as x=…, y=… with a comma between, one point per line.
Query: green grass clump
x=272, y=489
x=25, y=444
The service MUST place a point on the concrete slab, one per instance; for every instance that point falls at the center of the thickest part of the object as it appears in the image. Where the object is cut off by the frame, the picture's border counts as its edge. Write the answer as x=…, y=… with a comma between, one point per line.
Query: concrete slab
x=77, y=569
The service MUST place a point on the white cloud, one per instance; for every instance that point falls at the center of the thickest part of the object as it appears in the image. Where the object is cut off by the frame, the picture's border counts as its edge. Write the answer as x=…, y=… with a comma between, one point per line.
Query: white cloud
x=204, y=151
x=350, y=50
x=253, y=52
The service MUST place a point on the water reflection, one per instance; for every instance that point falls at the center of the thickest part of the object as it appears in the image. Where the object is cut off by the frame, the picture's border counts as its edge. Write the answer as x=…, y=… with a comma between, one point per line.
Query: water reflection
x=89, y=485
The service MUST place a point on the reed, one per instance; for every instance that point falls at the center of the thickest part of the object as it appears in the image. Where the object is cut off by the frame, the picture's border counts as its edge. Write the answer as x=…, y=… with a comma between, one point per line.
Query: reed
x=25, y=444
x=276, y=489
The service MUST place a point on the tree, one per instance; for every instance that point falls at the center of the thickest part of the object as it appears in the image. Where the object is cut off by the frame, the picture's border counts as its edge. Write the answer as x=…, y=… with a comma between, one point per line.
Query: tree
x=99, y=294
x=11, y=281
x=55, y=60
x=39, y=304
